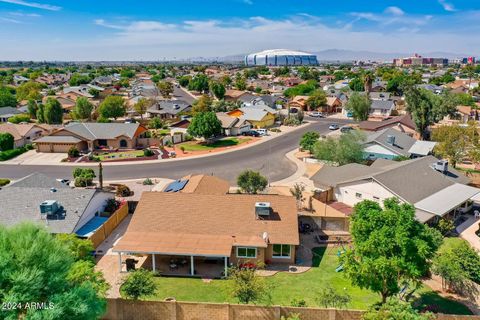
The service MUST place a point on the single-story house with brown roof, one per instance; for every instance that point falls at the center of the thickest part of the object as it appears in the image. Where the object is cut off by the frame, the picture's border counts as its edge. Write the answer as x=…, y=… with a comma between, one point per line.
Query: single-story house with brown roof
x=25, y=133
x=403, y=123
x=232, y=126
x=90, y=136
x=191, y=234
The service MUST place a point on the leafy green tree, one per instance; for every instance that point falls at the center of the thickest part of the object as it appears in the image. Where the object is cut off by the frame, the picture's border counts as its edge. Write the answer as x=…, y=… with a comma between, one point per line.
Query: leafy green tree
x=454, y=142
x=80, y=249
x=83, y=109
x=155, y=123
x=395, y=309
x=251, y=181
x=240, y=83
x=127, y=73
x=94, y=92
x=165, y=88
x=218, y=89
x=142, y=106
x=205, y=124
x=247, y=286
x=32, y=109
x=78, y=79
x=344, y=150
x=356, y=84
x=367, y=78
x=389, y=247
x=36, y=267
x=7, y=141
x=83, y=177
x=317, y=99
x=308, y=140
x=18, y=118
x=199, y=83
x=303, y=89
x=112, y=107
x=281, y=71
x=202, y=104
x=184, y=81
x=421, y=105
x=139, y=283
x=40, y=113
x=7, y=98
x=53, y=112
x=359, y=106
x=29, y=91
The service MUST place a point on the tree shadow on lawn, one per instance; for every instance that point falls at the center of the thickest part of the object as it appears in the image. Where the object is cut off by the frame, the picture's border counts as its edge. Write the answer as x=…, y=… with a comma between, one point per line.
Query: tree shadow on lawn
x=318, y=254
x=432, y=301
x=222, y=143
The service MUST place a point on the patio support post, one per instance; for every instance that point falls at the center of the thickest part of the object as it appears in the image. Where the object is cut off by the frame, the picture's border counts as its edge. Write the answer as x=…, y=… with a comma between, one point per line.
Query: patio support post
x=226, y=267
x=153, y=262
x=120, y=262
x=192, y=268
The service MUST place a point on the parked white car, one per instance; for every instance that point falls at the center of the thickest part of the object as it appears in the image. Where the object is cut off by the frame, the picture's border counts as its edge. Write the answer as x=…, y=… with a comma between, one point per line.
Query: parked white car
x=262, y=132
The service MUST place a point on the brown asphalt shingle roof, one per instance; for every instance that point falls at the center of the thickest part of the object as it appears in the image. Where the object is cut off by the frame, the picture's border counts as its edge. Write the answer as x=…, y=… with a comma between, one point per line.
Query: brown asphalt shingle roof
x=181, y=223
x=203, y=184
x=405, y=120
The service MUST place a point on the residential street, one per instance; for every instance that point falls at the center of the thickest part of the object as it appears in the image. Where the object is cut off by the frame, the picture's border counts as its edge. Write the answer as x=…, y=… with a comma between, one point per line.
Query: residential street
x=268, y=158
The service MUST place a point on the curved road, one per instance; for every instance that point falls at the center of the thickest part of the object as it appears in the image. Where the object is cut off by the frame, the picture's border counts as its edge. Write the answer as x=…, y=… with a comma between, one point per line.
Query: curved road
x=268, y=158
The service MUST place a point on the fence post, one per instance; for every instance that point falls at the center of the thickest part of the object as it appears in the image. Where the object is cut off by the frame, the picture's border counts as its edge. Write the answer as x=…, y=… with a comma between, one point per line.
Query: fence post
x=231, y=315
x=277, y=312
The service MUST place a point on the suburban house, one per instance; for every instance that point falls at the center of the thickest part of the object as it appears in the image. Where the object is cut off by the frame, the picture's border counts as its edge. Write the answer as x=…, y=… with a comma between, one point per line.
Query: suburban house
x=430, y=185
x=259, y=118
x=299, y=102
x=403, y=123
x=390, y=144
x=46, y=201
x=232, y=126
x=168, y=109
x=201, y=184
x=25, y=133
x=265, y=101
x=382, y=108
x=8, y=112
x=208, y=233
x=235, y=95
x=90, y=136
x=333, y=105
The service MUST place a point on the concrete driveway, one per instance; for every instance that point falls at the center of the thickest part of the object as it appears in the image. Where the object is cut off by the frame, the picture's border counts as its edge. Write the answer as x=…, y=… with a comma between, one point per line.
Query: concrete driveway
x=32, y=157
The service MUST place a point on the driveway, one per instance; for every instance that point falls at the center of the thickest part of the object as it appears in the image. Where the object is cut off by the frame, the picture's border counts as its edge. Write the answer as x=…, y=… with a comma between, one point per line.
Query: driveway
x=467, y=232
x=32, y=157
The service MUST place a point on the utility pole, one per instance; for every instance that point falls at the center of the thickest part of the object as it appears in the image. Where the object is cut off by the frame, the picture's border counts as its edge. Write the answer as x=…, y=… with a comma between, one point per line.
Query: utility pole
x=100, y=175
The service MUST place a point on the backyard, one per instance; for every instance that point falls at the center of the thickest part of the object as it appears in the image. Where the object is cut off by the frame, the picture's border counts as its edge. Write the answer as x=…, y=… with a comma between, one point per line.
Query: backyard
x=286, y=287
x=222, y=143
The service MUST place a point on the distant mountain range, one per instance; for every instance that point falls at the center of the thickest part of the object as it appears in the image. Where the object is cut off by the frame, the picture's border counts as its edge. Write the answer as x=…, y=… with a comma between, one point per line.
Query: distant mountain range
x=352, y=55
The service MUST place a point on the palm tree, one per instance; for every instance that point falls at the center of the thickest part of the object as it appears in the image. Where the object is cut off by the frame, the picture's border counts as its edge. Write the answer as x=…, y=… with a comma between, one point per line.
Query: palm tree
x=368, y=78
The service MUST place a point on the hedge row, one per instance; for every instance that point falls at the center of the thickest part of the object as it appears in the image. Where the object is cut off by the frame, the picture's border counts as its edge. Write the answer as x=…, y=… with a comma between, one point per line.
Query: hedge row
x=9, y=154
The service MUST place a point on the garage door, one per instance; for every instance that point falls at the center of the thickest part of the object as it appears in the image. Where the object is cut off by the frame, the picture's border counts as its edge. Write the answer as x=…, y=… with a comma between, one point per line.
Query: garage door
x=61, y=148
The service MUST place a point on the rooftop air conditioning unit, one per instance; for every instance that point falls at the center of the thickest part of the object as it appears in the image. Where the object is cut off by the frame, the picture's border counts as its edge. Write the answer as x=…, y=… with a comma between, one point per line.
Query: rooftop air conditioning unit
x=441, y=165
x=391, y=140
x=262, y=209
x=49, y=207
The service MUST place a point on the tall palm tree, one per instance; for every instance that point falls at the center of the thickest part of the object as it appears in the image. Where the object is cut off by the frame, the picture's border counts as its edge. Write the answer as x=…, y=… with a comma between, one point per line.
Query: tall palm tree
x=368, y=78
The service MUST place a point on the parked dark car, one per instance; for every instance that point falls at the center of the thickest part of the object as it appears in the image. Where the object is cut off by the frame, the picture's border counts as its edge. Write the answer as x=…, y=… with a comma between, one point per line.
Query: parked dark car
x=346, y=129
x=251, y=133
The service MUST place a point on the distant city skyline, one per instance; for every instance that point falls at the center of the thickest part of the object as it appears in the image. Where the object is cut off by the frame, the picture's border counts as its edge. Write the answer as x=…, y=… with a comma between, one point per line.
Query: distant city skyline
x=157, y=30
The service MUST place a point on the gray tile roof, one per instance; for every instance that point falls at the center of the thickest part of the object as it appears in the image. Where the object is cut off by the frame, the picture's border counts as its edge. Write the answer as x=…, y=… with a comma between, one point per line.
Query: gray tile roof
x=411, y=180
x=401, y=145
x=92, y=131
x=58, y=139
x=382, y=105
x=21, y=202
x=169, y=107
x=8, y=111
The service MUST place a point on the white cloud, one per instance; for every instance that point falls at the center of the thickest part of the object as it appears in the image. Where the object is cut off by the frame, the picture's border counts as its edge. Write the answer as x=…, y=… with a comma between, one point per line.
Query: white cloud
x=33, y=5
x=22, y=14
x=10, y=20
x=155, y=40
x=447, y=6
x=250, y=2
x=396, y=11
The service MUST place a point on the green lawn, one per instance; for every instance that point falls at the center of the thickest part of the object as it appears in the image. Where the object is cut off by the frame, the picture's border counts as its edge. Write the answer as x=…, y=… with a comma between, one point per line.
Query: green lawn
x=226, y=142
x=286, y=287
x=119, y=155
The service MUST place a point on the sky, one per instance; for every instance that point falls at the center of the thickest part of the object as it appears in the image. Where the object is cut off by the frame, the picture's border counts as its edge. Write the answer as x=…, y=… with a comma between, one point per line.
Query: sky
x=180, y=29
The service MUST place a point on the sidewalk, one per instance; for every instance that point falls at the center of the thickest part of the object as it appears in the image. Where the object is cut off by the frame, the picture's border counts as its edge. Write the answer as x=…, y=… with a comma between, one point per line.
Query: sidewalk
x=467, y=232
x=301, y=176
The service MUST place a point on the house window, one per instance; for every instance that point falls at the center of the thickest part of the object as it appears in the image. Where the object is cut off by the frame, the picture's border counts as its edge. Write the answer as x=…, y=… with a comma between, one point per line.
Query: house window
x=246, y=252
x=281, y=251
x=358, y=195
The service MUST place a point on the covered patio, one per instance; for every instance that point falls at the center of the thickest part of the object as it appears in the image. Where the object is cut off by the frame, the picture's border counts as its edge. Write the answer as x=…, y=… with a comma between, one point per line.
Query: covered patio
x=177, y=254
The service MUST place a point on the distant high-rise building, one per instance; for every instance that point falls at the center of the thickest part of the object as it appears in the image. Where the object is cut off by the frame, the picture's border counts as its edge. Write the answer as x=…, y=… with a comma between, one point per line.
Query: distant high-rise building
x=418, y=60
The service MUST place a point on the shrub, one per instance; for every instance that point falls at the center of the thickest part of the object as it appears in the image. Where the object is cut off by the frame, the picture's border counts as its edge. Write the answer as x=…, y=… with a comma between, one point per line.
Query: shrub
x=112, y=205
x=182, y=148
x=19, y=118
x=148, y=153
x=138, y=284
x=147, y=182
x=82, y=182
x=4, y=182
x=155, y=123
x=73, y=152
x=298, y=303
x=445, y=226
x=187, y=137
x=123, y=191
x=169, y=144
x=7, y=141
x=9, y=154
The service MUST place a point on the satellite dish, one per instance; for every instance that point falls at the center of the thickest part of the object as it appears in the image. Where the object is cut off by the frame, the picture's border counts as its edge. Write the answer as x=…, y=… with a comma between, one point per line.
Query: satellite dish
x=265, y=236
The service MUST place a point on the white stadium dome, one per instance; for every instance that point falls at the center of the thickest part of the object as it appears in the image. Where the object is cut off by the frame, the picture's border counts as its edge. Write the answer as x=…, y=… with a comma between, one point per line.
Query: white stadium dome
x=280, y=57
